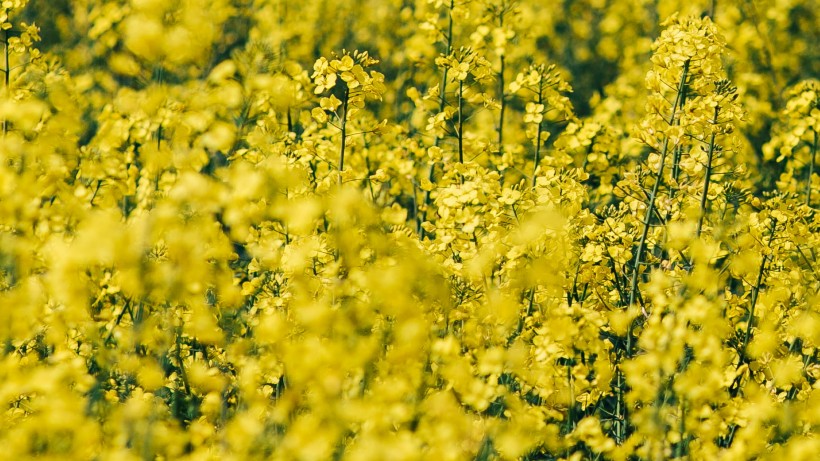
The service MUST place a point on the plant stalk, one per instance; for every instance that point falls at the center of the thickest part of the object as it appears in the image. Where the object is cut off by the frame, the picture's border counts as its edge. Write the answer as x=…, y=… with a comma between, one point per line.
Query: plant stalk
x=706, y=181
x=344, y=133
x=6, y=75
x=442, y=104
x=811, y=169
x=651, y=205
x=460, y=121
x=755, y=292
x=501, y=98
x=539, y=132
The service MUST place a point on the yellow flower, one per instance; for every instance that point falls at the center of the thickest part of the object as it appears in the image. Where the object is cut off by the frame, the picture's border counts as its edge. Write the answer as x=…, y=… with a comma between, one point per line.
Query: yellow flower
x=331, y=103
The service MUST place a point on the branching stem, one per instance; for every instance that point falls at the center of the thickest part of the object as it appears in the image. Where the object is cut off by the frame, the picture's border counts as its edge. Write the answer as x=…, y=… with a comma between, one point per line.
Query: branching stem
x=633, y=289
x=448, y=48
x=755, y=292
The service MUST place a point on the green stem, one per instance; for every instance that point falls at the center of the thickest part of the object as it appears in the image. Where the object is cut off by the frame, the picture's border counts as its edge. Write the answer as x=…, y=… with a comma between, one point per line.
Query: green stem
x=503, y=106
x=651, y=205
x=442, y=104
x=679, y=450
x=345, y=99
x=522, y=319
x=182, y=373
x=570, y=422
x=423, y=216
x=7, y=75
x=703, y=199
x=755, y=292
x=460, y=121
x=501, y=87
x=447, y=51
x=679, y=148
x=540, y=129
x=290, y=120
x=811, y=170
x=620, y=410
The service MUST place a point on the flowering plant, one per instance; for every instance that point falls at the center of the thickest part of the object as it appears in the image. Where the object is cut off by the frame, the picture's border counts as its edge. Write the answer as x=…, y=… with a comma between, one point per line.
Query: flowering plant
x=439, y=248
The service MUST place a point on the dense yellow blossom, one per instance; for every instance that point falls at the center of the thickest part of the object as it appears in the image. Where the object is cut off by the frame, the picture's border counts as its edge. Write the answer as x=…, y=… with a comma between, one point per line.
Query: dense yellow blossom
x=410, y=230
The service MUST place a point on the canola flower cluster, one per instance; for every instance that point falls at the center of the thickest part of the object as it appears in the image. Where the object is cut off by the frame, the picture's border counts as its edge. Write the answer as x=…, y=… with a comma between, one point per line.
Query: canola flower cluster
x=409, y=230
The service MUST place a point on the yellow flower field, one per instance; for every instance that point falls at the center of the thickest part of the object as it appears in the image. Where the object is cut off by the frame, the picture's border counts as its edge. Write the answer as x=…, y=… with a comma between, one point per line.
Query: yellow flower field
x=409, y=230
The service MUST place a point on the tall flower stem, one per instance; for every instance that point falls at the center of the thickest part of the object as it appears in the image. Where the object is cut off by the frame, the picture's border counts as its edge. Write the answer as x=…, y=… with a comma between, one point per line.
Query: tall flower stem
x=620, y=408
x=812, y=160
x=753, y=302
x=540, y=130
x=460, y=122
x=503, y=106
x=345, y=99
x=633, y=290
x=501, y=85
x=707, y=180
x=442, y=104
x=6, y=75
x=678, y=149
